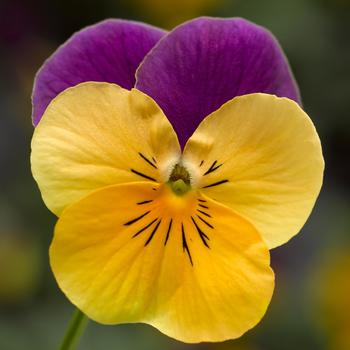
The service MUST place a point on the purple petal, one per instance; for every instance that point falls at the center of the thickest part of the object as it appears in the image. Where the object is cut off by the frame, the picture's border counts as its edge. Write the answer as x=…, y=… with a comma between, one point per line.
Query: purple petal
x=109, y=51
x=205, y=62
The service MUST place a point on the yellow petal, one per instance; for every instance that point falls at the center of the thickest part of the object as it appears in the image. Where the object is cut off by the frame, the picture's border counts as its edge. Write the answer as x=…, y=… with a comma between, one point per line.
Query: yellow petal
x=184, y=264
x=261, y=156
x=99, y=134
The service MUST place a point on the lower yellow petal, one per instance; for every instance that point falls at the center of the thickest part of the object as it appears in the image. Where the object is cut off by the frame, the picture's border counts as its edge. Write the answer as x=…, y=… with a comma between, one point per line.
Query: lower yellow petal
x=186, y=265
x=261, y=156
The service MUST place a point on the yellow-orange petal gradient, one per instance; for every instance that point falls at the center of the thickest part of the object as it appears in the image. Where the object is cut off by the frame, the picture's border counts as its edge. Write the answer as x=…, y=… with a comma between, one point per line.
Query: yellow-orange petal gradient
x=185, y=264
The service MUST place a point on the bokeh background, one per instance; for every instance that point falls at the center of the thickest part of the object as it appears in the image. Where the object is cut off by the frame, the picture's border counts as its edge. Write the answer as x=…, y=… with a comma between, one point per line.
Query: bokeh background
x=311, y=306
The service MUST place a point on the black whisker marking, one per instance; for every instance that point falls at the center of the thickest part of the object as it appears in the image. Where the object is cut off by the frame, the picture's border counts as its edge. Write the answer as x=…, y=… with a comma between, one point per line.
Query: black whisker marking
x=145, y=202
x=216, y=183
x=202, y=235
x=201, y=163
x=184, y=243
x=212, y=168
x=143, y=175
x=147, y=160
x=154, y=159
x=204, y=213
x=206, y=222
x=203, y=206
x=168, y=232
x=153, y=232
x=201, y=200
x=145, y=228
x=136, y=219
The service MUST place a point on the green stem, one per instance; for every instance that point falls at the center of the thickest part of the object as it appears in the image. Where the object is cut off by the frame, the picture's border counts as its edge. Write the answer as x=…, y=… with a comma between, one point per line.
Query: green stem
x=74, y=331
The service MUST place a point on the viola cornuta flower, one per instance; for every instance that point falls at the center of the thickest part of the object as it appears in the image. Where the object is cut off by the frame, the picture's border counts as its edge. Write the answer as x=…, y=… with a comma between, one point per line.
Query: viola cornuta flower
x=173, y=168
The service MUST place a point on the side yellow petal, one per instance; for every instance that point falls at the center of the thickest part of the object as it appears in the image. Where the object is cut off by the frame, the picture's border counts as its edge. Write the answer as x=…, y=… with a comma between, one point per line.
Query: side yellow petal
x=261, y=156
x=186, y=265
x=99, y=134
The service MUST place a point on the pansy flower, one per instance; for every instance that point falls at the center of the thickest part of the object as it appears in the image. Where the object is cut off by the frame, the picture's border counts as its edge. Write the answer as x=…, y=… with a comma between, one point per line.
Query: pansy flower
x=174, y=161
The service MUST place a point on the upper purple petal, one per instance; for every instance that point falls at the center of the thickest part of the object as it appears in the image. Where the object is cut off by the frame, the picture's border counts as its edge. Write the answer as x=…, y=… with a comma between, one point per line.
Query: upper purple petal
x=108, y=51
x=205, y=62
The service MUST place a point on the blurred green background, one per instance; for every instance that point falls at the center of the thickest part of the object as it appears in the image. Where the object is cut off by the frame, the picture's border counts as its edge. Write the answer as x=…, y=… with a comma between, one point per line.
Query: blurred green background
x=311, y=306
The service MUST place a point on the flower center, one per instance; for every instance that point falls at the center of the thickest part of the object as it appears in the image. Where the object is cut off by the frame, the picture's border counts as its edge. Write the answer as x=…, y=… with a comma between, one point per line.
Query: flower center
x=179, y=180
